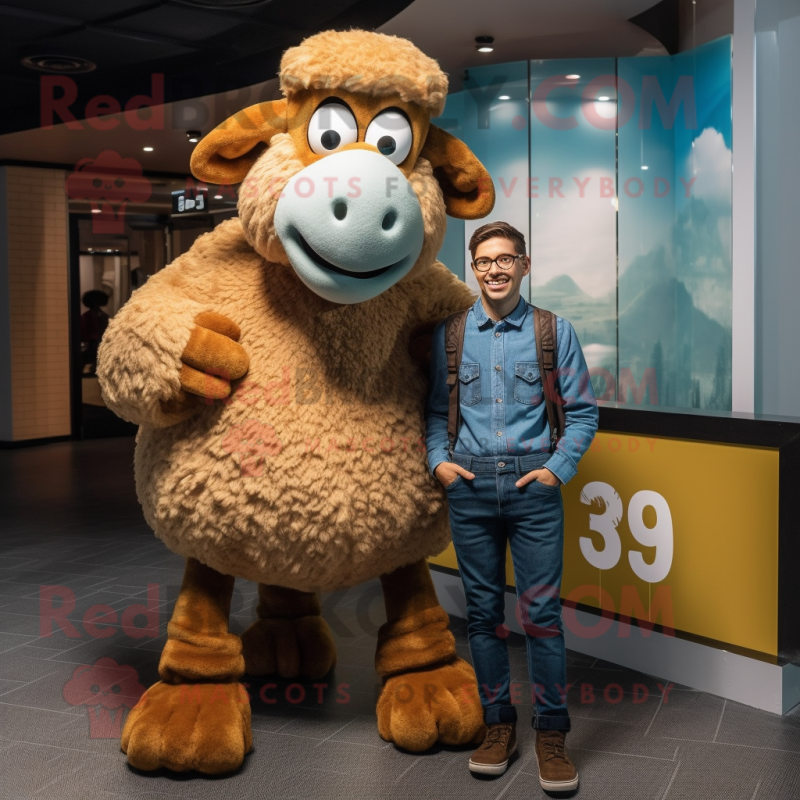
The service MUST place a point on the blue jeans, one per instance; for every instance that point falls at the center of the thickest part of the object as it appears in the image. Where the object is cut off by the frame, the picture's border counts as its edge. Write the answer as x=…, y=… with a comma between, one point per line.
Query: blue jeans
x=484, y=514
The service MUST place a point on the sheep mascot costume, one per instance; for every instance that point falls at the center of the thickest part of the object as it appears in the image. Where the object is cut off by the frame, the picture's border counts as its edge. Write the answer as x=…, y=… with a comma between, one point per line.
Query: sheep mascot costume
x=281, y=432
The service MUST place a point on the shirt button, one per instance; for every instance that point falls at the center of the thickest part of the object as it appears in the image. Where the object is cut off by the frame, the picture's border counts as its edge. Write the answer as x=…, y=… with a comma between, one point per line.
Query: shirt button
x=497, y=333
x=497, y=368
x=501, y=464
x=499, y=433
x=499, y=400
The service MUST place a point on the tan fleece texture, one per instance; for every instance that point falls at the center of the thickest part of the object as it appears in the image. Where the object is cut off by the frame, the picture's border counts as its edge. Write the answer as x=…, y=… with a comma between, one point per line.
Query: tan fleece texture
x=144, y=368
x=349, y=496
x=363, y=61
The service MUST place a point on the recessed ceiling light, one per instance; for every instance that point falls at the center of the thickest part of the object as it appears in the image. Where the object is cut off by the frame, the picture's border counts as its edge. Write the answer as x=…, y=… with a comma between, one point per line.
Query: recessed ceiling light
x=95, y=211
x=483, y=44
x=504, y=97
x=193, y=136
x=109, y=250
x=148, y=149
x=572, y=77
x=603, y=99
x=58, y=64
x=644, y=166
x=218, y=197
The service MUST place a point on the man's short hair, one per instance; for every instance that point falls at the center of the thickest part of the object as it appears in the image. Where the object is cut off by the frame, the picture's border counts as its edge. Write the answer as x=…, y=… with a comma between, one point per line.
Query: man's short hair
x=494, y=230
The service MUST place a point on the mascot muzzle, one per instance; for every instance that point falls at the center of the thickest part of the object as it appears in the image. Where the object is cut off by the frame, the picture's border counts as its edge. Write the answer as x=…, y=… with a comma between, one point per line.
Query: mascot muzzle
x=351, y=225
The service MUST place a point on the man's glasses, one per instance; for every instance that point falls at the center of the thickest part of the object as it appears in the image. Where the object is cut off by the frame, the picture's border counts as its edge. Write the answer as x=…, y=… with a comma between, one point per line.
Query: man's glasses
x=504, y=261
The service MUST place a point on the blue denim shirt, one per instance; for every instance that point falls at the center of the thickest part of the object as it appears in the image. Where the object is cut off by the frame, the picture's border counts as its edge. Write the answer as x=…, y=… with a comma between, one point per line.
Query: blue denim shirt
x=502, y=402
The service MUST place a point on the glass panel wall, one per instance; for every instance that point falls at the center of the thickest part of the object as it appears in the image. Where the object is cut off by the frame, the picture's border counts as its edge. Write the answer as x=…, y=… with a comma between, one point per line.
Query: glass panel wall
x=619, y=173
x=452, y=252
x=675, y=275
x=573, y=204
x=492, y=117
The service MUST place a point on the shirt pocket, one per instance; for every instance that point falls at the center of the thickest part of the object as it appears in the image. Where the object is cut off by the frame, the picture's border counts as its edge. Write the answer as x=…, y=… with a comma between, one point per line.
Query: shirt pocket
x=469, y=376
x=527, y=383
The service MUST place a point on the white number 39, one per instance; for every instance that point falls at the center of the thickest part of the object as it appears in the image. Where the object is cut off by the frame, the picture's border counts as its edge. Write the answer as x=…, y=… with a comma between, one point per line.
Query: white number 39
x=659, y=536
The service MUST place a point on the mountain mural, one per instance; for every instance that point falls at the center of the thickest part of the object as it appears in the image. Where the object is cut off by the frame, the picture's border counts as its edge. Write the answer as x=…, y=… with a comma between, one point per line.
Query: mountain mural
x=594, y=318
x=562, y=285
x=662, y=329
x=671, y=300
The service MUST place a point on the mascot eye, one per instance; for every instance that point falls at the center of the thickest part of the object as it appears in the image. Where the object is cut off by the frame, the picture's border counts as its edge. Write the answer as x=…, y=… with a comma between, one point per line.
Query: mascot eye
x=119, y=183
x=391, y=133
x=97, y=183
x=331, y=127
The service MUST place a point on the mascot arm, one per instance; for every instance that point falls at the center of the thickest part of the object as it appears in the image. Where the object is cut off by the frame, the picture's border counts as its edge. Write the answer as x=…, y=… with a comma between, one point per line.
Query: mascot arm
x=444, y=294
x=163, y=352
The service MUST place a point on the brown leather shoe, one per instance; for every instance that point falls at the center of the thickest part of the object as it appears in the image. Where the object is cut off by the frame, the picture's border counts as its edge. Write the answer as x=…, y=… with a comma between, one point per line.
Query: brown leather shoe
x=556, y=772
x=491, y=758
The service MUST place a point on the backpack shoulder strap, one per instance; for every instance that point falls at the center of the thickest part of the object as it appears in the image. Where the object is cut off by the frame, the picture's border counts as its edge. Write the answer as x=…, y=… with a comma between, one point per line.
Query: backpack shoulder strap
x=454, y=328
x=544, y=328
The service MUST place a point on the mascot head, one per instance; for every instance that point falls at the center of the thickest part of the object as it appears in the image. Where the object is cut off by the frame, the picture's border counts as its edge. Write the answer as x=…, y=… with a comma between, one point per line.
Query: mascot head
x=345, y=180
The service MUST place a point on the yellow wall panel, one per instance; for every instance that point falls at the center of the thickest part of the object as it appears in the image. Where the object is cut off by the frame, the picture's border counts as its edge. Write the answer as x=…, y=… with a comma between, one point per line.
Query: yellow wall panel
x=719, y=518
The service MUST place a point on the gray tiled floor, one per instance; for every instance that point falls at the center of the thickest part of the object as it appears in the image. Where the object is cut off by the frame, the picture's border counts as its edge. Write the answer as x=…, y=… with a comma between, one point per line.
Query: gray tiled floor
x=70, y=519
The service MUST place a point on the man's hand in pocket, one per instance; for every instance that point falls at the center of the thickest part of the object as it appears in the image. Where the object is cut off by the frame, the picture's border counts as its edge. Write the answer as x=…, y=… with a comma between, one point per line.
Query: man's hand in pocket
x=447, y=472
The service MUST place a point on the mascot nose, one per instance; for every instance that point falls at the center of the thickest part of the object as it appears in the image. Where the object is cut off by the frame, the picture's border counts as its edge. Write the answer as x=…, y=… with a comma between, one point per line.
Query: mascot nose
x=351, y=225
x=341, y=207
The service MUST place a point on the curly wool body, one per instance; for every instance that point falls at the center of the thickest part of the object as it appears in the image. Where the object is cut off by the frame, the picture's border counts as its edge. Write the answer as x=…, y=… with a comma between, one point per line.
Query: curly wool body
x=363, y=61
x=348, y=496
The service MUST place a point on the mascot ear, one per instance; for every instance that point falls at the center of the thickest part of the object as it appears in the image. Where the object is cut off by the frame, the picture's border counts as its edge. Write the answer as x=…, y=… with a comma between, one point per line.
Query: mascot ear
x=226, y=154
x=467, y=186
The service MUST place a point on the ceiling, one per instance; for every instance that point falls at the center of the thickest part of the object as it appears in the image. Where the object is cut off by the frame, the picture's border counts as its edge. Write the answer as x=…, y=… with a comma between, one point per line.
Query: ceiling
x=213, y=59
x=200, y=46
x=523, y=29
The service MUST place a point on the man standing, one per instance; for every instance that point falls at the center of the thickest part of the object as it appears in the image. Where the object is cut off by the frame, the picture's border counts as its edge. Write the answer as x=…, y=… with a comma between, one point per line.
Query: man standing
x=503, y=484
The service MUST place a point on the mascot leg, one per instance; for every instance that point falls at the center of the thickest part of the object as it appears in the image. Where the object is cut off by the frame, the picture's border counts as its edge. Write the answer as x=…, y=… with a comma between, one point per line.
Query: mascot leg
x=290, y=637
x=197, y=717
x=429, y=693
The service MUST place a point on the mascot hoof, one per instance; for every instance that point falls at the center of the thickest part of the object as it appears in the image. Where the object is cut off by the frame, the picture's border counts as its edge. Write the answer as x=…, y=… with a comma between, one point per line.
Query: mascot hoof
x=289, y=647
x=189, y=726
x=418, y=709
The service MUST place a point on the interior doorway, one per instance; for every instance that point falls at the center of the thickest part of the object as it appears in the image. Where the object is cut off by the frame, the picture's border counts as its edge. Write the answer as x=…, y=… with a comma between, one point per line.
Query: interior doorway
x=112, y=256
